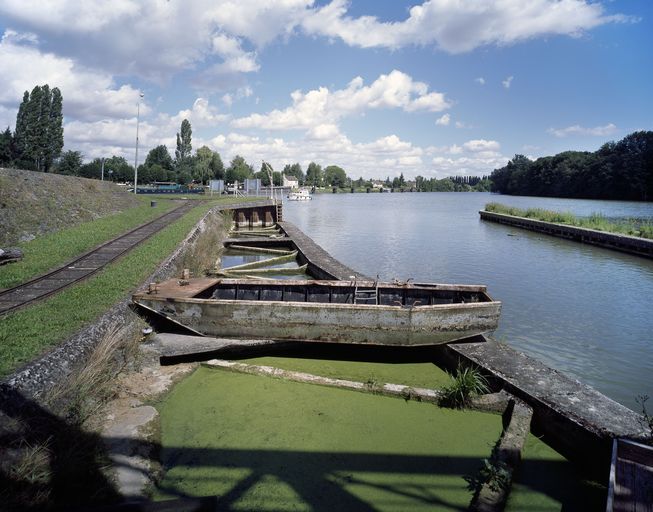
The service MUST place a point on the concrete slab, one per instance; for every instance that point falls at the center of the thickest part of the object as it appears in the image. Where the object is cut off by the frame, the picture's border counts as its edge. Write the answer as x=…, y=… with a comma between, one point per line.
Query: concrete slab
x=180, y=346
x=575, y=419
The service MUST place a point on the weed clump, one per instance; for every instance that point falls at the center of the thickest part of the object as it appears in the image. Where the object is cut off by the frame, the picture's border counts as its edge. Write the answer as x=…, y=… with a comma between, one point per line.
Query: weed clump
x=466, y=384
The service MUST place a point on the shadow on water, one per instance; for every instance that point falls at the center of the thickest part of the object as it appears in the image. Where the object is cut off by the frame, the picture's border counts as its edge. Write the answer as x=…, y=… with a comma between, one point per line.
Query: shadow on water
x=321, y=480
x=327, y=351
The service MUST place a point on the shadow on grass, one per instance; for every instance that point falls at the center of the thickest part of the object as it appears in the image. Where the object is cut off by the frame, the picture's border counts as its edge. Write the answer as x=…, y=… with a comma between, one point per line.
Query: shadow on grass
x=321, y=480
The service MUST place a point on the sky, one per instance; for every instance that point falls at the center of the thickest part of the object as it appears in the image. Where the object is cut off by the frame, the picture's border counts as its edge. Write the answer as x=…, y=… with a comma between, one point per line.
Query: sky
x=379, y=87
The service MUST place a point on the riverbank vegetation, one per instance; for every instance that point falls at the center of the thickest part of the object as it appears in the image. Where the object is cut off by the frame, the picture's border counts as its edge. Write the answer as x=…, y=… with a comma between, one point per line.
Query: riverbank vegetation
x=28, y=332
x=618, y=170
x=631, y=227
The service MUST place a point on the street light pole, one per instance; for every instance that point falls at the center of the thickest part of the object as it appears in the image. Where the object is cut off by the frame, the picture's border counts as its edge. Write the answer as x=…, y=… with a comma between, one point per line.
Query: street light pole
x=102, y=168
x=138, y=118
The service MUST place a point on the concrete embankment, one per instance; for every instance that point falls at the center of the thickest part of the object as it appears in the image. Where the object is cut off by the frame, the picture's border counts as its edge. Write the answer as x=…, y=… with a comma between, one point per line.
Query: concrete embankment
x=618, y=242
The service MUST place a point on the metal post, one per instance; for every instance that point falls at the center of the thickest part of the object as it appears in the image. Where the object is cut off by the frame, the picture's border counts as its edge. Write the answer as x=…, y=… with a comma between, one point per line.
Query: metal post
x=138, y=118
x=102, y=169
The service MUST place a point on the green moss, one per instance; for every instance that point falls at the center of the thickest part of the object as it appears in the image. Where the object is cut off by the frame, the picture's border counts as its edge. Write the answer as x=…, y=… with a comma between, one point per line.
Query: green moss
x=547, y=481
x=269, y=444
x=421, y=375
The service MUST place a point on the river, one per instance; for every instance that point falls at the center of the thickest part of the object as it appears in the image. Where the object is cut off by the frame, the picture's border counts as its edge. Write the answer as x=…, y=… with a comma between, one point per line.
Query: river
x=583, y=310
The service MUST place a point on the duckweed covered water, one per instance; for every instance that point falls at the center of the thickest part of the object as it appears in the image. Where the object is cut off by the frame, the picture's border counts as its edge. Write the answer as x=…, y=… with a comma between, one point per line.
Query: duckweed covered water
x=268, y=444
x=546, y=481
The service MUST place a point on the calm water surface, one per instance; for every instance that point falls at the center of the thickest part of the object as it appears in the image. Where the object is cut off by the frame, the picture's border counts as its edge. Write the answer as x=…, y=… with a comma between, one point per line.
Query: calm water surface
x=583, y=310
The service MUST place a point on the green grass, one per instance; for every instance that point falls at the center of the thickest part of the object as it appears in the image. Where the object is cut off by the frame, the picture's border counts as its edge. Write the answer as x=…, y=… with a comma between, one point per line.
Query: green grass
x=268, y=444
x=54, y=249
x=642, y=229
x=29, y=332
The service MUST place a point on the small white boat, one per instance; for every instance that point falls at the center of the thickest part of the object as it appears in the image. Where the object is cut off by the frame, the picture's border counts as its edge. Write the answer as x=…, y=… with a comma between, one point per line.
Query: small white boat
x=299, y=195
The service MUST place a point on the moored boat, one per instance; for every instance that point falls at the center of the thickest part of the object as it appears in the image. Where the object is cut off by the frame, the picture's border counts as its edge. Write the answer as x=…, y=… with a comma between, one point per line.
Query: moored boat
x=299, y=195
x=360, y=312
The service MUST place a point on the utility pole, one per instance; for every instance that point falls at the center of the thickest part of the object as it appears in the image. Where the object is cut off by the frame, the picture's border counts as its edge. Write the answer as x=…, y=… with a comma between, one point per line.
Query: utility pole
x=138, y=118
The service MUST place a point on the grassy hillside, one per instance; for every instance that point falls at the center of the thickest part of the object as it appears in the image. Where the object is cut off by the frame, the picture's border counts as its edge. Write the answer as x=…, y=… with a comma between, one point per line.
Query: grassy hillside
x=35, y=203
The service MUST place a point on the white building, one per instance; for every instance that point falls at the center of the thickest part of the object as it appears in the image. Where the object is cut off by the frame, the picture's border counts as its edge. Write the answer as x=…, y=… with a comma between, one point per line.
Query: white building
x=290, y=181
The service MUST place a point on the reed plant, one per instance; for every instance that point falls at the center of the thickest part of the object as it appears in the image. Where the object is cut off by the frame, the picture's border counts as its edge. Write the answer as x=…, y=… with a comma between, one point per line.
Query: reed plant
x=466, y=383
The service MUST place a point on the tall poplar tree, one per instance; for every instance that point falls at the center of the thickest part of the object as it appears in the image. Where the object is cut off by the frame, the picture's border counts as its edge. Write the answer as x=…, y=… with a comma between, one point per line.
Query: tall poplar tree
x=184, y=145
x=38, y=138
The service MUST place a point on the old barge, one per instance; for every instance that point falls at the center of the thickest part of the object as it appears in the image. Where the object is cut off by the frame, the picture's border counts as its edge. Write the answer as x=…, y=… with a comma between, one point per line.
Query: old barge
x=359, y=312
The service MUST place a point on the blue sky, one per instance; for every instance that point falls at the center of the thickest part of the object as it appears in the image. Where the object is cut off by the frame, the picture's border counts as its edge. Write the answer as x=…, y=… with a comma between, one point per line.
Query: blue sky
x=434, y=88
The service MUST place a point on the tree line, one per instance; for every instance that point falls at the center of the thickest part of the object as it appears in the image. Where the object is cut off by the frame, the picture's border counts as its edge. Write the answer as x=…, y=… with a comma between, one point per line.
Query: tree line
x=38, y=139
x=618, y=170
x=453, y=184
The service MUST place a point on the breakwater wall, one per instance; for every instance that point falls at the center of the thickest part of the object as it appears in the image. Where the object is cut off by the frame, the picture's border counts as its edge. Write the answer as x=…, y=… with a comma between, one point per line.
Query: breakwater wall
x=618, y=242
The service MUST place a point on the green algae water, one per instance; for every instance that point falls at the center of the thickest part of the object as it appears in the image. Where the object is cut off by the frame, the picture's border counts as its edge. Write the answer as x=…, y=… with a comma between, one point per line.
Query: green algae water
x=266, y=444
x=545, y=481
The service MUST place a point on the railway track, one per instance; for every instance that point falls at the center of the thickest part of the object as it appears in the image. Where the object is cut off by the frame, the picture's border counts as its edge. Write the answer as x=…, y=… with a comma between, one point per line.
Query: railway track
x=85, y=265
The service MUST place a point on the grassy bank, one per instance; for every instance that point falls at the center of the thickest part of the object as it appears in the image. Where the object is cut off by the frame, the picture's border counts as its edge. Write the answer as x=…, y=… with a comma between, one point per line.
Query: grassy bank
x=29, y=332
x=595, y=221
x=54, y=249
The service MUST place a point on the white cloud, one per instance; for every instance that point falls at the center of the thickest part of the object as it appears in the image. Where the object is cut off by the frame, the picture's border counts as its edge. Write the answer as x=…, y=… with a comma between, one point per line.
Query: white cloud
x=481, y=145
x=394, y=90
x=444, y=120
x=458, y=27
x=480, y=80
x=507, y=82
x=157, y=39
x=87, y=94
x=598, y=131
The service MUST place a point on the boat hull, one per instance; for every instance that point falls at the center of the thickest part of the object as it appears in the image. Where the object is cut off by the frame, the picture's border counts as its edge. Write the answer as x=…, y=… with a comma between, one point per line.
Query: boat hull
x=327, y=322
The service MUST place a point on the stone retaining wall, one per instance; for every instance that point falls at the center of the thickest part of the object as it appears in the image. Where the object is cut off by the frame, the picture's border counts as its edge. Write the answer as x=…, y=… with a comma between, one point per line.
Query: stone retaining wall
x=618, y=242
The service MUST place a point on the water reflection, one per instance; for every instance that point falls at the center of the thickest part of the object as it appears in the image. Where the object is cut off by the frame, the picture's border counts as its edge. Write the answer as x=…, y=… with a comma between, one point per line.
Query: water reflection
x=583, y=310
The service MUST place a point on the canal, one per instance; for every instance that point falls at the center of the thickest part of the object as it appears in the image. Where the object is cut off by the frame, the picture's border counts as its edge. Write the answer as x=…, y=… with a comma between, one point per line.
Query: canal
x=583, y=310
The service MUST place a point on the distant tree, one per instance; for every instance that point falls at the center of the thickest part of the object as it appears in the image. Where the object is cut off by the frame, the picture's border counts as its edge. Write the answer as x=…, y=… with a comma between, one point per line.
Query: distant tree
x=313, y=175
x=20, y=133
x=92, y=169
x=159, y=156
x=296, y=171
x=238, y=170
x=6, y=143
x=621, y=170
x=207, y=165
x=69, y=163
x=216, y=167
x=117, y=169
x=184, y=146
x=55, y=129
x=335, y=176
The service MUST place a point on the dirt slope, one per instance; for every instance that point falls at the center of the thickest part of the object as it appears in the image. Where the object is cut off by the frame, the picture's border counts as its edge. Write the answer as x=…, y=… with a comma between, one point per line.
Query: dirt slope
x=35, y=203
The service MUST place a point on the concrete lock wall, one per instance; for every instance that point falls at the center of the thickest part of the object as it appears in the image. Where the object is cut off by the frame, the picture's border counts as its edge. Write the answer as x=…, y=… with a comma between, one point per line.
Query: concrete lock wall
x=256, y=216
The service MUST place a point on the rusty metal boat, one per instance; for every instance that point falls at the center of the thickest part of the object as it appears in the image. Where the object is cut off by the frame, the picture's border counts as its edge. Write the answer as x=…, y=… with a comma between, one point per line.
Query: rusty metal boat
x=360, y=312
